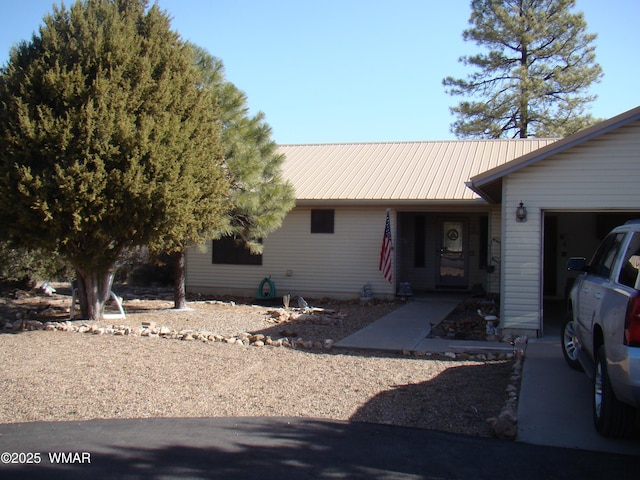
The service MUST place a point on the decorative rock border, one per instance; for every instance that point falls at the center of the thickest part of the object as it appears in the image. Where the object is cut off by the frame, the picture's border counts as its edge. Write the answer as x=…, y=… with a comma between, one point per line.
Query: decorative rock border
x=505, y=425
x=152, y=330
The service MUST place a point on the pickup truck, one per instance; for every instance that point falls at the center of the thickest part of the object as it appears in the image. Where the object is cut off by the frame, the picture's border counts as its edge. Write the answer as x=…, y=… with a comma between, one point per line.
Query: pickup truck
x=601, y=330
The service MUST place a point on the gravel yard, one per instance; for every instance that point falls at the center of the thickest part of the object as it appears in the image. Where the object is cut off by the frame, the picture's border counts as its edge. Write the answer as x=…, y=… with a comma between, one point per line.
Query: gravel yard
x=55, y=375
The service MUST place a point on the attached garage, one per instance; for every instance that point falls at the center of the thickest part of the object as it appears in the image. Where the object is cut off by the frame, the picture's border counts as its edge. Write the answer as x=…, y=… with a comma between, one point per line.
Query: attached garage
x=573, y=192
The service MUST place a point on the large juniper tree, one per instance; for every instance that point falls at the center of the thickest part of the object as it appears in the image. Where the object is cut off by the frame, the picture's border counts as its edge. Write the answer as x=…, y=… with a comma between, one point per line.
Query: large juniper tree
x=533, y=79
x=107, y=140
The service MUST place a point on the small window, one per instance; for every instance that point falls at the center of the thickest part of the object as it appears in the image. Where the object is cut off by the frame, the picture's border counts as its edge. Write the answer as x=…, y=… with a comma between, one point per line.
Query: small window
x=232, y=251
x=322, y=221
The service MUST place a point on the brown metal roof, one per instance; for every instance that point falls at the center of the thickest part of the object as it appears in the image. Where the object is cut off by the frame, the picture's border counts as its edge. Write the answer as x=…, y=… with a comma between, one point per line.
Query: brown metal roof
x=401, y=171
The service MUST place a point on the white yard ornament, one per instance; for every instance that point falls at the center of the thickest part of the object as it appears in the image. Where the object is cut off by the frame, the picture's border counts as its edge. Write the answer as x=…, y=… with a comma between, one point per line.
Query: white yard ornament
x=47, y=289
x=106, y=316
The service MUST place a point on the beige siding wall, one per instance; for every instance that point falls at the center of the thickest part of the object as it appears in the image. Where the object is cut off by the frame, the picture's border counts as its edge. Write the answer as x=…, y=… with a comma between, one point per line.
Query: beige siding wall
x=598, y=175
x=312, y=265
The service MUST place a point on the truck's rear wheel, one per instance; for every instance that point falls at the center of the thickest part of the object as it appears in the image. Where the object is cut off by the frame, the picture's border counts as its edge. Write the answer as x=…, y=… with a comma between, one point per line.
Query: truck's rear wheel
x=612, y=417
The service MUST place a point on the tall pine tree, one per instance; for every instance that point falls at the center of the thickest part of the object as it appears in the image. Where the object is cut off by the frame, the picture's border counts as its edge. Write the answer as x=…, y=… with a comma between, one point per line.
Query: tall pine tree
x=259, y=198
x=534, y=78
x=107, y=140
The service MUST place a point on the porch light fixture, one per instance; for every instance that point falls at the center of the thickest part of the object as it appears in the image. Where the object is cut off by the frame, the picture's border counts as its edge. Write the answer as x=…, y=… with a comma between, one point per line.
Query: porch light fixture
x=521, y=213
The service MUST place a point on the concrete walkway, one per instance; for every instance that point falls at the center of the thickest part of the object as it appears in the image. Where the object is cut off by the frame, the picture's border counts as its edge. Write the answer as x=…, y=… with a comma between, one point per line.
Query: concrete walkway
x=404, y=328
x=407, y=328
x=555, y=401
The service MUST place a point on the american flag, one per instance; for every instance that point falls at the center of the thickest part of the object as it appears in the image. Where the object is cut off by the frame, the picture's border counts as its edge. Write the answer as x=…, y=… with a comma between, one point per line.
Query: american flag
x=385, y=251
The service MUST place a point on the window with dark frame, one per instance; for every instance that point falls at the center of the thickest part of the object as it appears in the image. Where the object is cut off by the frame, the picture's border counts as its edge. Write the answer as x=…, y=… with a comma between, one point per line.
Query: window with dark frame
x=322, y=221
x=231, y=251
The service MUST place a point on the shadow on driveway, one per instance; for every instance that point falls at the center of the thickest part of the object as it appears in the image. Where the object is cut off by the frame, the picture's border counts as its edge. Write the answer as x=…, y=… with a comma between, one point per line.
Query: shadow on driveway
x=265, y=448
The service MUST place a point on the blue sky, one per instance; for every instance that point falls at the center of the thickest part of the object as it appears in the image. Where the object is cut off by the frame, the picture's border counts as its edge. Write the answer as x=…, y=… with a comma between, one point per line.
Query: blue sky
x=357, y=70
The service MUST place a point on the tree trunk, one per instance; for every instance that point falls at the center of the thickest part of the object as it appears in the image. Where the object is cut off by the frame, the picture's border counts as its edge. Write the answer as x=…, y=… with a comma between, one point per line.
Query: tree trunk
x=93, y=292
x=179, y=293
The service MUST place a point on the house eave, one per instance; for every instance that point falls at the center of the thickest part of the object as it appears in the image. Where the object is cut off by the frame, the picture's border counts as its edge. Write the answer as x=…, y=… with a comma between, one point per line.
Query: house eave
x=490, y=195
x=390, y=203
x=489, y=184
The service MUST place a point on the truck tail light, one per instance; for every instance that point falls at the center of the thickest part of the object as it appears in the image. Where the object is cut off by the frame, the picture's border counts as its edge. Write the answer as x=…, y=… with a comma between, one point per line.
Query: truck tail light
x=632, y=322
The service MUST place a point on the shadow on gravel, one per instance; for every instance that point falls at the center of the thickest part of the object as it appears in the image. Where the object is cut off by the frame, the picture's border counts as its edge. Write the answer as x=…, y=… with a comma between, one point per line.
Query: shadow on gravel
x=459, y=400
x=276, y=448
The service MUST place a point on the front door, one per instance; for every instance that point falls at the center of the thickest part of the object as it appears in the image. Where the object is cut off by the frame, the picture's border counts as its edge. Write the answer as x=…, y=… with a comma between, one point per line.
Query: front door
x=452, y=254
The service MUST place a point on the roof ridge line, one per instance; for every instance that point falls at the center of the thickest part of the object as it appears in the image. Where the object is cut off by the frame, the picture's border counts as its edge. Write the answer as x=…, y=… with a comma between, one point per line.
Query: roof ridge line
x=391, y=142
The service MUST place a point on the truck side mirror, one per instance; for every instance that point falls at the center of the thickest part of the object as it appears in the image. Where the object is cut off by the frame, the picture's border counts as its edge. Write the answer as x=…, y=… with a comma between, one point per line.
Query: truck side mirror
x=577, y=264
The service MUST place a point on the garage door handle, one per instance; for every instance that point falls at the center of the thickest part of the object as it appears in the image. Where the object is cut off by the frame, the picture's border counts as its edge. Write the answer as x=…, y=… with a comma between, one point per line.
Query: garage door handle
x=598, y=295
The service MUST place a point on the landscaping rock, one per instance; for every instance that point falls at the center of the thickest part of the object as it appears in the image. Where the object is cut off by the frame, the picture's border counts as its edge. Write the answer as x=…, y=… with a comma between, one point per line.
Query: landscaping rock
x=34, y=325
x=503, y=428
x=164, y=330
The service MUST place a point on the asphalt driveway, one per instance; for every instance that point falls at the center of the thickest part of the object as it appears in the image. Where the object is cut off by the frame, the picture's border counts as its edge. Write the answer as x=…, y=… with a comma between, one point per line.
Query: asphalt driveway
x=296, y=448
